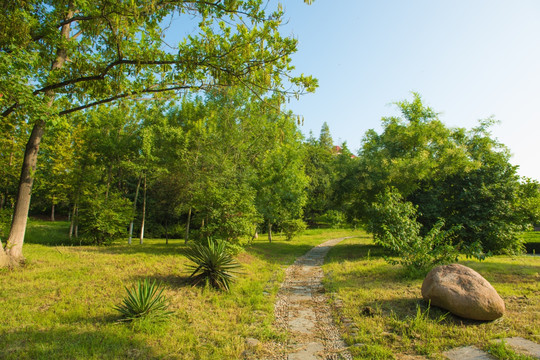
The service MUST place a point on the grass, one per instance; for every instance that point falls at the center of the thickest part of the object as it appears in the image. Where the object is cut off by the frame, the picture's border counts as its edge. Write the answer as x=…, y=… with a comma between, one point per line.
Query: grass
x=502, y=351
x=402, y=324
x=61, y=303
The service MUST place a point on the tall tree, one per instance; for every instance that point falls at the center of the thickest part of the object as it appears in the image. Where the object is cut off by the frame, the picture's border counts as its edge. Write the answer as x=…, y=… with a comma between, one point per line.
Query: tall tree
x=59, y=57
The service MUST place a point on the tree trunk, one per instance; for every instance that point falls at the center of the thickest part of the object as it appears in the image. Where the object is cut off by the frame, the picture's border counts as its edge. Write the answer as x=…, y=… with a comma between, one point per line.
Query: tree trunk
x=77, y=222
x=269, y=232
x=52, y=209
x=166, y=232
x=15, y=240
x=143, y=212
x=134, y=210
x=187, y=226
x=72, y=222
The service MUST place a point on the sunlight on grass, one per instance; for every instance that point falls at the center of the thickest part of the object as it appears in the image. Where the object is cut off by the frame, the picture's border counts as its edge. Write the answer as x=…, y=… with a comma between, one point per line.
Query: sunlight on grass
x=61, y=304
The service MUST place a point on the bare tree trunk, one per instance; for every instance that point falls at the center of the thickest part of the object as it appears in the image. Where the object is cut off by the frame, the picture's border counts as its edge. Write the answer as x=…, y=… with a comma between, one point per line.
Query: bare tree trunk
x=166, y=232
x=52, y=209
x=143, y=212
x=77, y=222
x=269, y=232
x=134, y=210
x=187, y=226
x=72, y=222
x=15, y=240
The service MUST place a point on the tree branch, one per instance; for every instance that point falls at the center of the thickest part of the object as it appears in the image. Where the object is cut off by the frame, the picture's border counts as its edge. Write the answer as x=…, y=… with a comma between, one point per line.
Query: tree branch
x=122, y=96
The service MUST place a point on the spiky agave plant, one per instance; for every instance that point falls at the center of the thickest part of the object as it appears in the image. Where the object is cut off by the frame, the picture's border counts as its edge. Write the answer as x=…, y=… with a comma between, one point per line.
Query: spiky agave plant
x=144, y=301
x=214, y=264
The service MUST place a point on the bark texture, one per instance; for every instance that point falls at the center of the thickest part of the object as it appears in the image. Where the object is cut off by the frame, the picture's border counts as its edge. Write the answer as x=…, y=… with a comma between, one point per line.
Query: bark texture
x=15, y=240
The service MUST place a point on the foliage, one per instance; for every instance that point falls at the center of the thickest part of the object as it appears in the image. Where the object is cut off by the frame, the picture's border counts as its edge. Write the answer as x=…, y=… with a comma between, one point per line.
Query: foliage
x=5, y=222
x=144, y=301
x=394, y=227
x=214, y=265
x=61, y=62
x=104, y=219
x=334, y=218
x=292, y=228
x=461, y=176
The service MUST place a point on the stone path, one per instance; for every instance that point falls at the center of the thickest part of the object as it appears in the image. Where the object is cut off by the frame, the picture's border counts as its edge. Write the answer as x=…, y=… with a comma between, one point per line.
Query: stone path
x=302, y=309
x=520, y=345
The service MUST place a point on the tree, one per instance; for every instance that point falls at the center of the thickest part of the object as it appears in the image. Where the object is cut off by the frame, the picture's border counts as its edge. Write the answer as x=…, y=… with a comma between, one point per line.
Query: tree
x=58, y=58
x=463, y=177
x=320, y=172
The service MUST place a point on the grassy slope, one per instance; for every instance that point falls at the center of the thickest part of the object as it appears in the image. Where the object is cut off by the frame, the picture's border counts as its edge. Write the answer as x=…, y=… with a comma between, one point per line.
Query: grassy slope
x=361, y=278
x=60, y=305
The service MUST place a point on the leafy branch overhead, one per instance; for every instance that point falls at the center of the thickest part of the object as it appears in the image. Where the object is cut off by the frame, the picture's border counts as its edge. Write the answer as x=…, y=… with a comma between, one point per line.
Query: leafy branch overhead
x=115, y=50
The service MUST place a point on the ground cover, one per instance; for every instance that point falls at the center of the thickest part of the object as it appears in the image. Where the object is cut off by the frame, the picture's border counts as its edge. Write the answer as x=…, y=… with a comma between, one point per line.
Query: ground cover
x=390, y=321
x=60, y=305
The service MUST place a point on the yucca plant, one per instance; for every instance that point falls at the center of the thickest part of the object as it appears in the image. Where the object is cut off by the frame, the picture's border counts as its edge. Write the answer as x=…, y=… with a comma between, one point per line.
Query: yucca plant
x=214, y=265
x=144, y=301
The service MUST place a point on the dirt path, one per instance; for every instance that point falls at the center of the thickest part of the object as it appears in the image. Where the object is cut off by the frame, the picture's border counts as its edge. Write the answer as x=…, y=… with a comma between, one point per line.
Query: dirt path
x=302, y=308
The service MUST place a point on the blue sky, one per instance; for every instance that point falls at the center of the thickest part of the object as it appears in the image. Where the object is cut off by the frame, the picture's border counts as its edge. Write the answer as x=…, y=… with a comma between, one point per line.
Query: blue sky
x=469, y=59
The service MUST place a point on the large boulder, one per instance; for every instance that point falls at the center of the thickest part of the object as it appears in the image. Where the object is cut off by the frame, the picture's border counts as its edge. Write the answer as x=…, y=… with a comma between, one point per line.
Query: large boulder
x=463, y=292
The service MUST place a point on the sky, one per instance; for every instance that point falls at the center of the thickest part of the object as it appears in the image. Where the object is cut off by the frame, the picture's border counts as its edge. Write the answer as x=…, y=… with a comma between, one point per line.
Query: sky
x=468, y=59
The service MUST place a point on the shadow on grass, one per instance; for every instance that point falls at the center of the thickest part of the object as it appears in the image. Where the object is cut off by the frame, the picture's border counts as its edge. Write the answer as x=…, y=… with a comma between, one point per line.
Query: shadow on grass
x=172, y=281
x=404, y=309
x=352, y=252
x=70, y=344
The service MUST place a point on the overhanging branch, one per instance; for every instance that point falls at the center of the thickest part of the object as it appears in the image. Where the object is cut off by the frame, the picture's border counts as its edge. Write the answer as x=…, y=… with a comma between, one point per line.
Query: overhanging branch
x=122, y=96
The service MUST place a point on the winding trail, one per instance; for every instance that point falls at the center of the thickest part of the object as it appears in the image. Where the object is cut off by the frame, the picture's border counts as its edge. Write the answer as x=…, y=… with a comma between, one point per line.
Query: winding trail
x=302, y=309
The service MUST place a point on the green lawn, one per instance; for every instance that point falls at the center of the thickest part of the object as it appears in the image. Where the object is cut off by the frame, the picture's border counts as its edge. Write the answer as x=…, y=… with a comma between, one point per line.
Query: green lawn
x=60, y=304
x=400, y=322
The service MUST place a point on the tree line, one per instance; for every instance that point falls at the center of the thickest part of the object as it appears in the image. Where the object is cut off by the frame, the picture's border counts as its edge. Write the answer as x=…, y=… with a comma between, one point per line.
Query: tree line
x=226, y=166
x=136, y=136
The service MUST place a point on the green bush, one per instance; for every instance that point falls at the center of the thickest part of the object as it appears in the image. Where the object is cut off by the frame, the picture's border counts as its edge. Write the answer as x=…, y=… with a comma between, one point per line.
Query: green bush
x=292, y=228
x=394, y=226
x=213, y=264
x=144, y=301
x=104, y=219
x=334, y=218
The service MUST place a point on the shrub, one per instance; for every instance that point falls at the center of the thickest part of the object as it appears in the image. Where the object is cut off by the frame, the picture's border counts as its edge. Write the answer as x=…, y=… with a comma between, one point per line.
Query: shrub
x=334, y=218
x=144, y=301
x=214, y=264
x=104, y=219
x=292, y=228
x=394, y=227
